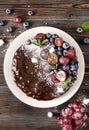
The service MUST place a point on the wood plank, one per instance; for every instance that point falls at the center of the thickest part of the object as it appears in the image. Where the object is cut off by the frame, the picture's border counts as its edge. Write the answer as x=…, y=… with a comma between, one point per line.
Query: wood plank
x=49, y=13
x=16, y=2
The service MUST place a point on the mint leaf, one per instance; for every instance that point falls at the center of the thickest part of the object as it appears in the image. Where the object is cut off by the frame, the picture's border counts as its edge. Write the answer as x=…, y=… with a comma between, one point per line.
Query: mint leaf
x=44, y=41
x=85, y=26
x=38, y=42
x=54, y=67
x=66, y=83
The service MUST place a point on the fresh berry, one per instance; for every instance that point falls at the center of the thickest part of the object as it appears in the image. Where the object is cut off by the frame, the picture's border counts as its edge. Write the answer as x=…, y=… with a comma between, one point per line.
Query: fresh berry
x=2, y=23
x=19, y=19
x=64, y=60
x=71, y=53
x=65, y=121
x=26, y=24
x=79, y=30
x=67, y=127
x=65, y=52
x=48, y=35
x=53, y=78
x=82, y=109
x=30, y=13
x=44, y=54
x=76, y=105
x=8, y=11
x=86, y=40
x=65, y=45
x=58, y=41
x=85, y=116
x=71, y=84
x=59, y=51
x=61, y=75
x=52, y=59
x=51, y=40
x=72, y=67
x=66, y=67
x=67, y=112
x=70, y=105
x=40, y=36
x=77, y=115
x=78, y=123
x=9, y=29
x=69, y=72
x=59, y=48
x=54, y=36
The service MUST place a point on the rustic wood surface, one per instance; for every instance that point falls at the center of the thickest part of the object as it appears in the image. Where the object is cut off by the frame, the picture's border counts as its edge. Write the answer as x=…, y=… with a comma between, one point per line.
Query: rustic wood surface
x=63, y=14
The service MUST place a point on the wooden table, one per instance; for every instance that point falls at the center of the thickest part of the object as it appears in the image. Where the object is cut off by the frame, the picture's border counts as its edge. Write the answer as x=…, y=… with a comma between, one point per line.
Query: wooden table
x=63, y=14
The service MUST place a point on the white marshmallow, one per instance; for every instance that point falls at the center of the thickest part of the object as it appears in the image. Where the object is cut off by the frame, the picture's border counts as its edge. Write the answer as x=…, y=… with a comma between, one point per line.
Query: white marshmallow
x=34, y=60
x=51, y=50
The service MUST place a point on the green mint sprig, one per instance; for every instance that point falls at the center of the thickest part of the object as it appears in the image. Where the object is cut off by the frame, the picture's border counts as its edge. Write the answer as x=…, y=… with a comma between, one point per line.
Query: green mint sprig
x=67, y=82
x=40, y=42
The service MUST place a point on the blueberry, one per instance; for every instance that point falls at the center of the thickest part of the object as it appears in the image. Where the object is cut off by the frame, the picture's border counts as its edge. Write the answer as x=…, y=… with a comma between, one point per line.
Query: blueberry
x=72, y=62
x=59, y=48
x=30, y=13
x=74, y=77
x=1, y=23
x=48, y=35
x=72, y=67
x=59, y=53
x=8, y=11
x=54, y=35
x=86, y=40
x=26, y=24
x=51, y=39
x=69, y=72
x=65, y=45
x=65, y=52
x=66, y=67
x=79, y=30
x=74, y=73
x=28, y=42
x=71, y=84
x=9, y=29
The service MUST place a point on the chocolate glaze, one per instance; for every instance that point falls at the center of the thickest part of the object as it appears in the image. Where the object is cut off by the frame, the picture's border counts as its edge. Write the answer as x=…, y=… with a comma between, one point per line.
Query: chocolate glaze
x=26, y=77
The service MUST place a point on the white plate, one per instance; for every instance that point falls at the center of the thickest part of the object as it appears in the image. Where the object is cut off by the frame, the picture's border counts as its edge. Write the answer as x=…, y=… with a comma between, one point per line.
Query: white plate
x=17, y=42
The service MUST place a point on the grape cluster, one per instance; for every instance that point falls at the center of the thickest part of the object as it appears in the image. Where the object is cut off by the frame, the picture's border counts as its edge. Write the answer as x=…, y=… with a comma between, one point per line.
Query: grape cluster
x=73, y=116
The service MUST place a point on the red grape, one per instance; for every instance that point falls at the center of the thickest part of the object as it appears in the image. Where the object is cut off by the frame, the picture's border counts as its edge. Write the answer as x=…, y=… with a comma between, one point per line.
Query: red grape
x=40, y=36
x=61, y=75
x=85, y=116
x=71, y=53
x=65, y=121
x=77, y=115
x=78, y=123
x=53, y=78
x=67, y=127
x=58, y=41
x=67, y=112
x=44, y=54
x=19, y=19
x=52, y=59
x=63, y=60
